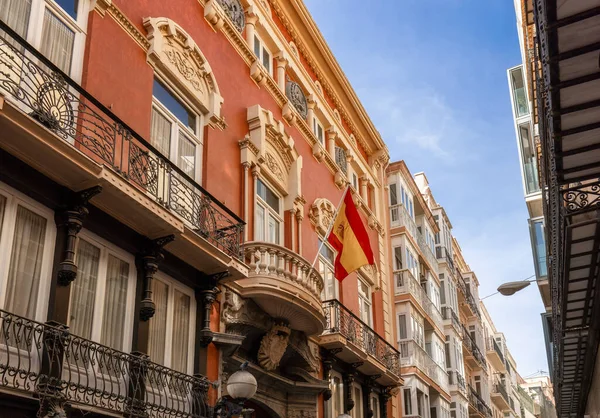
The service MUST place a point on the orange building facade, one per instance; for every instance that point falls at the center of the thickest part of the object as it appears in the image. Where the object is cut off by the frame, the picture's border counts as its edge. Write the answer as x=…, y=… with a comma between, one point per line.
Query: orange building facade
x=168, y=172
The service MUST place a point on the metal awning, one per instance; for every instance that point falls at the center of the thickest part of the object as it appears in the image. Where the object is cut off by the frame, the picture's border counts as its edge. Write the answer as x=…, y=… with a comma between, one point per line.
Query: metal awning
x=568, y=34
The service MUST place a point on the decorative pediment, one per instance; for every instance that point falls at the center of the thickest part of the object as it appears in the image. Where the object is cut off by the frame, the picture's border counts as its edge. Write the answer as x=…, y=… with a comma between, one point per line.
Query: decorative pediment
x=321, y=215
x=177, y=57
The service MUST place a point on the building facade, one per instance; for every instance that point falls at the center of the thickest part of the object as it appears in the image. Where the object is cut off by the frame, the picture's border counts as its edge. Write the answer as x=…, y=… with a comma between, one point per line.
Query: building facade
x=168, y=173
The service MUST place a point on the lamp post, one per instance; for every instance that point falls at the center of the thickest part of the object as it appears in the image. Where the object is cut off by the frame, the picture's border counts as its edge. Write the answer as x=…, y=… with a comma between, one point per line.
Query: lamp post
x=510, y=288
x=241, y=386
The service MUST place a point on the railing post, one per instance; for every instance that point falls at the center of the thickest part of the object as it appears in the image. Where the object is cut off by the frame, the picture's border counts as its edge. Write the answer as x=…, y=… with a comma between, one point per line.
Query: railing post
x=136, y=393
x=49, y=387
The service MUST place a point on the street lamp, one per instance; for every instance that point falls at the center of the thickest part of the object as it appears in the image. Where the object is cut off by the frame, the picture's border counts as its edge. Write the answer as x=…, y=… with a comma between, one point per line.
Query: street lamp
x=241, y=386
x=510, y=288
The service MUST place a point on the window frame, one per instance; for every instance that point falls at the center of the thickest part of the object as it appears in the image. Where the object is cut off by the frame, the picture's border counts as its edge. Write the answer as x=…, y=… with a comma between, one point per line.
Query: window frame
x=374, y=405
x=177, y=126
x=357, y=411
x=316, y=126
x=259, y=201
x=262, y=48
x=365, y=299
x=107, y=248
x=14, y=199
x=329, y=404
x=174, y=284
x=327, y=271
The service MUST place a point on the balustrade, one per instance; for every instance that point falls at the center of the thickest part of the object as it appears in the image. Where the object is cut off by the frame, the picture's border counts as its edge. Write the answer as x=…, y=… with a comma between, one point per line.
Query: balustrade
x=406, y=283
x=412, y=354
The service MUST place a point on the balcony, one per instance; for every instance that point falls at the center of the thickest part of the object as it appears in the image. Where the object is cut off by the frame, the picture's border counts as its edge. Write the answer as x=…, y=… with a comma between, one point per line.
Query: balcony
x=499, y=395
x=472, y=352
x=451, y=318
x=407, y=284
x=413, y=355
x=359, y=344
x=284, y=285
x=444, y=256
x=47, y=362
x=495, y=355
x=400, y=217
x=477, y=406
x=466, y=299
x=457, y=382
x=59, y=129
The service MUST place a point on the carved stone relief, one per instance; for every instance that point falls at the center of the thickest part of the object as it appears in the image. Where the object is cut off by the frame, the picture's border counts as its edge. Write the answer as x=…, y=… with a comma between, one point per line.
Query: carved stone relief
x=237, y=310
x=308, y=350
x=273, y=346
x=321, y=214
x=274, y=167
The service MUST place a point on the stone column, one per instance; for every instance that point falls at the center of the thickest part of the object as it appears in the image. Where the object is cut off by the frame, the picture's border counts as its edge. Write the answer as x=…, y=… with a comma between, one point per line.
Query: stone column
x=282, y=63
x=331, y=135
x=246, y=166
x=364, y=192
x=251, y=21
x=312, y=104
x=255, y=174
x=299, y=217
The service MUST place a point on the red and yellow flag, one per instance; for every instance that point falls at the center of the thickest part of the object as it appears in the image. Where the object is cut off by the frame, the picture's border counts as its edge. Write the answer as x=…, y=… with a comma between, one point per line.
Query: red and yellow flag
x=349, y=238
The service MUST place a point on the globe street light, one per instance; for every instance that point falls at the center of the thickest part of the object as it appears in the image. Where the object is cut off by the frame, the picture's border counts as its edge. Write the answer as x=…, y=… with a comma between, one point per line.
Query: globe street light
x=241, y=386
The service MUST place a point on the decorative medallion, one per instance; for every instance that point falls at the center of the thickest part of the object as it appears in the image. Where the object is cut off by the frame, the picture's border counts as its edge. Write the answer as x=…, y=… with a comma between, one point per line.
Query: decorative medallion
x=341, y=160
x=321, y=214
x=294, y=92
x=273, y=346
x=235, y=11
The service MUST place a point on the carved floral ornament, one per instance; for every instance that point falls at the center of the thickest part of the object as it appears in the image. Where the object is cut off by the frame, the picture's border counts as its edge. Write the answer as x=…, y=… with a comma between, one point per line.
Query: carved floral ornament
x=175, y=55
x=321, y=215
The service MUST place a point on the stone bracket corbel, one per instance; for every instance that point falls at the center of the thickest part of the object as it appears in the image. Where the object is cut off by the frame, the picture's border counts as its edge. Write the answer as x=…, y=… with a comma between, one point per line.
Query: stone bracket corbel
x=208, y=295
x=72, y=218
x=151, y=259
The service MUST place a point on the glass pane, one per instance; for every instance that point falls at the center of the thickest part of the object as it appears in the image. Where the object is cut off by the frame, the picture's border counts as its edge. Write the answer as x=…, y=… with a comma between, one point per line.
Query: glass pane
x=259, y=234
x=186, y=155
x=25, y=263
x=519, y=94
x=326, y=252
x=181, y=325
x=393, y=194
x=267, y=195
x=273, y=230
x=540, y=248
x=266, y=60
x=160, y=133
x=529, y=159
x=15, y=13
x=83, y=290
x=69, y=6
x=158, y=323
x=57, y=41
x=180, y=111
x=115, y=303
x=256, y=47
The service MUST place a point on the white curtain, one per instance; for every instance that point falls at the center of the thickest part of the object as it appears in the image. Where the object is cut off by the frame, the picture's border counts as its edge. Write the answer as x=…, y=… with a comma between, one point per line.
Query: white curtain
x=181, y=326
x=25, y=263
x=83, y=290
x=115, y=301
x=57, y=41
x=186, y=155
x=158, y=323
x=160, y=133
x=259, y=234
x=15, y=13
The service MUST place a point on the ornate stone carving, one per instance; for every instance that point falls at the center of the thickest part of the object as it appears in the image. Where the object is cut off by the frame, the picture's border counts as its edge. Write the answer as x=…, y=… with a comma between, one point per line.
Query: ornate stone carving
x=273, y=346
x=321, y=214
x=301, y=413
x=235, y=12
x=294, y=92
x=185, y=68
x=237, y=310
x=274, y=167
x=308, y=350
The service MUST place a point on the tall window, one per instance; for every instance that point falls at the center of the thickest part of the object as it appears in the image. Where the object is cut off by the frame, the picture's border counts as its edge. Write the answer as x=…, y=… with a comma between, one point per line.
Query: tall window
x=528, y=159
x=26, y=245
x=407, y=401
x=539, y=242
x=55, y=28
x=268, y=214
x=326, y=261
x=357, y=411
x=520, y=100
x=263, y=54
x=101, y=294
x=172, y=326
x=335, y=405
x=411, y=262
x=402, y=334
x=364, y=302
x=374, y=399
x=318, y=130
x=175, y=131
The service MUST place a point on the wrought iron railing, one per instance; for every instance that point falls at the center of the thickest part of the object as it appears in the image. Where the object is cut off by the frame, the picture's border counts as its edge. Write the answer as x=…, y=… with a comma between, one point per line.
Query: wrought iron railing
x=53, y=99
x=464, y=289
x=449, y=315
x=478, y=403
x=499, y=387
x=472, y=347
x=57, y=366
x=455, y=378
x=443, y=254
x=493, y=346
x=341, y=320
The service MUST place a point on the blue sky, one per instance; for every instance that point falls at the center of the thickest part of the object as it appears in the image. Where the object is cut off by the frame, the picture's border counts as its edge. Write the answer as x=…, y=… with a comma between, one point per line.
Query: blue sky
x=432, y=76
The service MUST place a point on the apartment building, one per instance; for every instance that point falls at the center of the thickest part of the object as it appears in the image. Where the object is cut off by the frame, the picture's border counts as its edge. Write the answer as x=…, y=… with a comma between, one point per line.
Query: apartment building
x=557, y=86
x=539, y=388
x=168, y=172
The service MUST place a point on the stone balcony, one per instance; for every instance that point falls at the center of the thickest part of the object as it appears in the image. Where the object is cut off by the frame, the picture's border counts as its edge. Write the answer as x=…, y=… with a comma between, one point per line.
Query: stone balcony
x=495, y=355
x=413, y=355
x=284, y=285
x=406, y=283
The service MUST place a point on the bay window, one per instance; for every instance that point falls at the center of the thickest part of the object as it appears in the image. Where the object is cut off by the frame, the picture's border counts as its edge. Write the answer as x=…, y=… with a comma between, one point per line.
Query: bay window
x=171, y=327
x=364, y=302
x=102, y=293
x=269, y=220
x=27, y=234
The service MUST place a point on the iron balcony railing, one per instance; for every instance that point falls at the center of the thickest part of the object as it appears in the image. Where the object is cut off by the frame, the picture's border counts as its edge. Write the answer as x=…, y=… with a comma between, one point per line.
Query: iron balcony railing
x=412, y=354
x=341, y=320
x=46, y=360
x=443, y=254
x=499, y=387
x=455, y=378
x=478, y=403
x=493, y=345
x=462, y=286
x=53, y=99
x=449, y=315
x=472, y=347
x=407, y=283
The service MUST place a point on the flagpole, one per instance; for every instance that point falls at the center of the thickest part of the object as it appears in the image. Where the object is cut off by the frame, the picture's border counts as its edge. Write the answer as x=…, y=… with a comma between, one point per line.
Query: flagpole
x=337, y=209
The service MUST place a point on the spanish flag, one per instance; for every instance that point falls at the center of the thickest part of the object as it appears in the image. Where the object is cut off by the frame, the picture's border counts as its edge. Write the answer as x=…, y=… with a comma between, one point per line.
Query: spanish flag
x=349, y=238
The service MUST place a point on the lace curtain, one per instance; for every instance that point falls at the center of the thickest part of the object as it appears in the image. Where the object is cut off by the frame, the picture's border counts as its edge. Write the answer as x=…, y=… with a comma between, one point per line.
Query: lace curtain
x=57, y=41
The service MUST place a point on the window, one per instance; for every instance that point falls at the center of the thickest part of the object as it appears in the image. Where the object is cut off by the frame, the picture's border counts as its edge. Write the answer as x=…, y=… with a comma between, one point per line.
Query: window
x=55, y=28
x=398, y=258
x=407, y=401
x=402, y=327
x=174, y=131
x=357, y=411
x=171, y=327
x=393, y=194
x=520, y=100
x=528, y=159
x=263, y=54
x=375, y=405
x=335, y=405
x=326, y=261
x=103, y=290
x=355, y=182
x=268, y=217
x=411, y=262
x=539, y=247
x=27, y=236
x=318, y=131
x=364, y=302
